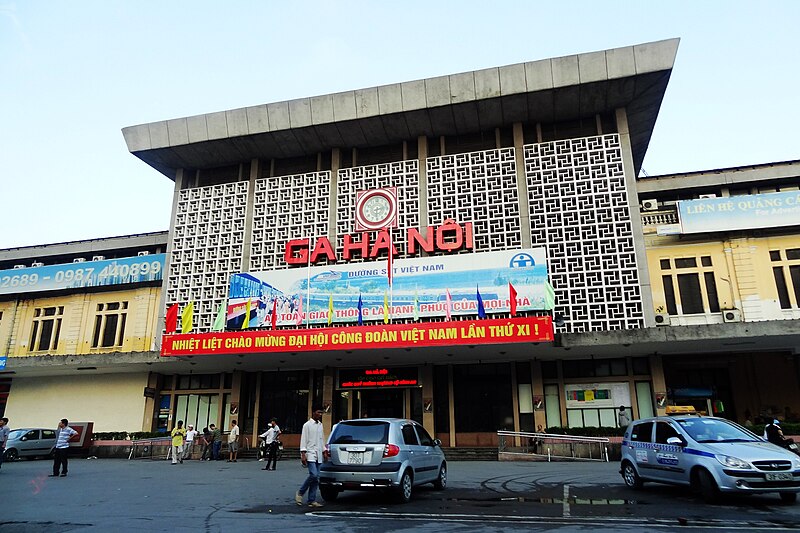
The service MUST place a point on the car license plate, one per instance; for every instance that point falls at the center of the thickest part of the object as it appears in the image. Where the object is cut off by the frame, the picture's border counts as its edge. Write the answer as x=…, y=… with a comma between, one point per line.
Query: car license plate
x=355, y=458
x=779, y=476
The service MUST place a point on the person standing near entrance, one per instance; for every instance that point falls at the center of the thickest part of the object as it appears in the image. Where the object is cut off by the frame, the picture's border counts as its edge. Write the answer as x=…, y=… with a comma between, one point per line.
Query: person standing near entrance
x=64, y=435
x=205, y=440
x=312, y=454
x=216, y=441
x=178, y=438
x=270, y=437
x=233, y=442
x=4, y=431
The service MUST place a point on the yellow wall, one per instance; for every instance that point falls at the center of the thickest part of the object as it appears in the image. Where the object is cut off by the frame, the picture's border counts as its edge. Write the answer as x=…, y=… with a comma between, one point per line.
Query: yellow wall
x=114, y=402
x=77, y=327
x=742, y=271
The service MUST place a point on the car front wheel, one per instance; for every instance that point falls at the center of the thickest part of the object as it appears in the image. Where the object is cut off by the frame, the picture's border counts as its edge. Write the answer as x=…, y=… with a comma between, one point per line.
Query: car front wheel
x=631, y=478
x=441, y=481
x=404, y=490
x=708, y=487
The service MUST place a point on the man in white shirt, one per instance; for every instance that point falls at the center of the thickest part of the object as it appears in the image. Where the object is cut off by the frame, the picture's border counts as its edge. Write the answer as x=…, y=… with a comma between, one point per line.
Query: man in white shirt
x=233, y=442
x=270, y=437
x=64, y=435
x=4, y=431
x=191, y=433
x=312, y=454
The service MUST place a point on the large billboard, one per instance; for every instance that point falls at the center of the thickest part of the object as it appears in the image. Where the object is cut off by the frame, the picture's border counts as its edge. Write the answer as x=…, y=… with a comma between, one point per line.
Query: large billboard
x=82, y=275
x=423, y=287
x=750, y=211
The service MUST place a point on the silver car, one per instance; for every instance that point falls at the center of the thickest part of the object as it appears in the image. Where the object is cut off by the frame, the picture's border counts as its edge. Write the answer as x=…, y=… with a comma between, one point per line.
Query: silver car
x=711, y=455
x=381, y=453
x=30, y=442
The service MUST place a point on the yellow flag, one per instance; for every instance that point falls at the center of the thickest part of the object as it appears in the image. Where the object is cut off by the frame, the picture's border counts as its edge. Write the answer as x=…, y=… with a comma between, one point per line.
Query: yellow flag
x=385, y=308
x=246, y=323
x=187, y=318
x=330, y=309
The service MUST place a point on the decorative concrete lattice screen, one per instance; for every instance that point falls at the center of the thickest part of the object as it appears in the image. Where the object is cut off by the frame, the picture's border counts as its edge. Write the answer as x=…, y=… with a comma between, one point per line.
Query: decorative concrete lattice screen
x=477, y=187
x=285, y=208
x=207, y=244
x=404, y=175
x=579, y=209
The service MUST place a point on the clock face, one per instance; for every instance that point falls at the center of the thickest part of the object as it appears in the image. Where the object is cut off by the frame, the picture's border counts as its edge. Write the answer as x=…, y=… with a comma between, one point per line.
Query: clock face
x=376, y=209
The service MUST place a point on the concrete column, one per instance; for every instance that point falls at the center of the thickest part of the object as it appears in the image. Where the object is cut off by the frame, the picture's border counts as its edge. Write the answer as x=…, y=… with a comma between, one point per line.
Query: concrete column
x=636, y=217
x=236, y=396
x=422, y=157
x=336, y=163
x=515, y=400
x=150, y=403
x=255, y=167
x=451, y=401
x=257, y=409
x=537, y=389
x=659, y=383
x=180, y=178
x=327, y=399
x=522, y=186
x=426, y=377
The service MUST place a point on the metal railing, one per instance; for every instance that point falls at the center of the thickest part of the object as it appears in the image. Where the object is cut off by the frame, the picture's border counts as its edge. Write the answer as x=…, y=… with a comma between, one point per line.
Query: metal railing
x=552, y=446
x=155, y=448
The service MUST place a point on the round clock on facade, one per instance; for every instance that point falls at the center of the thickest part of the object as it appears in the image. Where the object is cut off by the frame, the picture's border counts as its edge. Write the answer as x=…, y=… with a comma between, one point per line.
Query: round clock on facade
x=376, y=209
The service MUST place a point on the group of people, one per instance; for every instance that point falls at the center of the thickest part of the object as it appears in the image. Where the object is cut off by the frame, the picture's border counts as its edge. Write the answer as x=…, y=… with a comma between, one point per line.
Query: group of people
x=185, y=439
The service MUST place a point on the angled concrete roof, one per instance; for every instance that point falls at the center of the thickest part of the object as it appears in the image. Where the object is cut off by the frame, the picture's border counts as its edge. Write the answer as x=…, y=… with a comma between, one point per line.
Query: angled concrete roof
x=720, y=177
x=549, y=90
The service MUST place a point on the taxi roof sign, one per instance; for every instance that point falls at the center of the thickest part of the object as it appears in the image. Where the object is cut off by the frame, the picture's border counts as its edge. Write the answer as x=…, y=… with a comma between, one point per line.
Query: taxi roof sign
x=680, y=410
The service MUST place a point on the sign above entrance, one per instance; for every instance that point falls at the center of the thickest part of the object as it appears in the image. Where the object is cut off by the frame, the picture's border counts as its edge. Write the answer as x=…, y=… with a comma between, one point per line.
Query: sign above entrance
x=377, y=378
x=463, y=332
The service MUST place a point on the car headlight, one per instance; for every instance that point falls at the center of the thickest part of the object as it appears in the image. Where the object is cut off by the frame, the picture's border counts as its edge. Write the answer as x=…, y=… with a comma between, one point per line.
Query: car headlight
x=797, y=464
x=733, y=462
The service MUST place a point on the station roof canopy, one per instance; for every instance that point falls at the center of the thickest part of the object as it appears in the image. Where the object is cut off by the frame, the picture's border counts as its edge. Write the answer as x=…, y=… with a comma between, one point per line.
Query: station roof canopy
x=546, y=91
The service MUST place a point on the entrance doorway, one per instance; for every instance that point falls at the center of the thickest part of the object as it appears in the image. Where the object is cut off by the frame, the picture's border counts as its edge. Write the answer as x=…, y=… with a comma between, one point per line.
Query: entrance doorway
x=380, y=403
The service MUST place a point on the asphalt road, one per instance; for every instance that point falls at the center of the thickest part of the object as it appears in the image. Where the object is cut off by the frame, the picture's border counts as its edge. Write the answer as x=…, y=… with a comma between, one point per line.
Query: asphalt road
x=143, y=495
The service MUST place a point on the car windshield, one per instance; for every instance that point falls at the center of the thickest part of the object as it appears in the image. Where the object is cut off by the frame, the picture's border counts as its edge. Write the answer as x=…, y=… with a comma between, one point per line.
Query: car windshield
x=17, y=433
x=707, y=430
x=360, y=432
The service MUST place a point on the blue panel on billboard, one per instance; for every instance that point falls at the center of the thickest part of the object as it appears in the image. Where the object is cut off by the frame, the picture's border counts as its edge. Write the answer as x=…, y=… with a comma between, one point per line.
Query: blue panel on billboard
x=139, y=269
x=750, y=211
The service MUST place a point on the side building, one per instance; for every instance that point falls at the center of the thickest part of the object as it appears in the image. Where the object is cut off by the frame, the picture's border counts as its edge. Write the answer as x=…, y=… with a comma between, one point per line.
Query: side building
x=77, y=326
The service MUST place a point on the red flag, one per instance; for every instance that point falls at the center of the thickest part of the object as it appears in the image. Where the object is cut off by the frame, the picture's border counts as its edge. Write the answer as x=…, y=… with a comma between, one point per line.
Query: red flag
x=274, y=312
x=171, y=321
x=300, y=311
x=512, y=297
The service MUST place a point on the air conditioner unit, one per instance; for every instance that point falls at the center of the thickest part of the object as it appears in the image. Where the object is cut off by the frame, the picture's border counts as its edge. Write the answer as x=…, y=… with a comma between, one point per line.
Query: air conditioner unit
x=19, y=266
x=649, y=205
x=79, y=260
x=707, y=196
x=37, y=264
x=731, y=315
x=143, y=253
x=98, y=258
x=662, y=319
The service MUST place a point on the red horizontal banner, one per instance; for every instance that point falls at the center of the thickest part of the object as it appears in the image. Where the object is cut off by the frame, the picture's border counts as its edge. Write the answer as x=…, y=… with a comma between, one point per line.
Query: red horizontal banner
x=462, y=332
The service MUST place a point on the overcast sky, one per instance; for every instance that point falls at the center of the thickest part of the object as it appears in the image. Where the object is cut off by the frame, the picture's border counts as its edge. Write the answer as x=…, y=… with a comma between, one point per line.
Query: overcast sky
x=73, y=74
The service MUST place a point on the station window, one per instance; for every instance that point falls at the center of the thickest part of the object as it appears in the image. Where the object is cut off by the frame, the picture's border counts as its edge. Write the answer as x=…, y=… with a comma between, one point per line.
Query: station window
x=46, y=328
x=786, y=270
x=109, y=324
x=695, y=283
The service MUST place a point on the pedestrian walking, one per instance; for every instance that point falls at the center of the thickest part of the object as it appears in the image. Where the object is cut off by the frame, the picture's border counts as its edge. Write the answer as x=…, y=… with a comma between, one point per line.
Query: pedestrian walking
x=312, y=454
x=216, y=441
x=191, y=436
x=4, y=431
x=206, y=440
x=178, y=439
x=270, y=437
x=64, y=435
x=233, y=442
